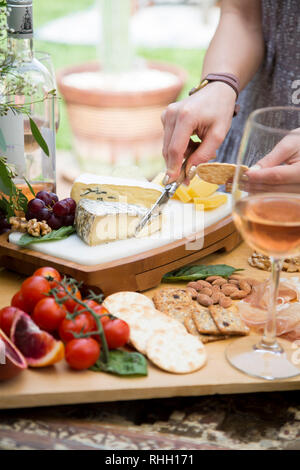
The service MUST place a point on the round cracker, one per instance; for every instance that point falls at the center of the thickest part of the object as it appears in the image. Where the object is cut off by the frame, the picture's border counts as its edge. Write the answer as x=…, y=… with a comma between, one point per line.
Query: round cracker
x=115, y=302
x=176, y=353
x=144, y=326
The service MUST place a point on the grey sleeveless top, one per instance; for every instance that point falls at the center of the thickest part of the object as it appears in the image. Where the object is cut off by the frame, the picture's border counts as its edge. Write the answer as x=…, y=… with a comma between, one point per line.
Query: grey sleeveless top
x=273, y=83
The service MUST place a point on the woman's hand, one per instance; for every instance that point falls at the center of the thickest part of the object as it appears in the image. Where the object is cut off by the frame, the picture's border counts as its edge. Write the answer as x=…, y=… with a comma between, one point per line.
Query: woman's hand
x=269, y=170
x=208, y=114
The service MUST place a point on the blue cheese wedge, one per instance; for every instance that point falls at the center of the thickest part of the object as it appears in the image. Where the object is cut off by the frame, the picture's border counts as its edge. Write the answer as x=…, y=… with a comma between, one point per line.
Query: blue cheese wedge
x=114, y=189
x=101, y=221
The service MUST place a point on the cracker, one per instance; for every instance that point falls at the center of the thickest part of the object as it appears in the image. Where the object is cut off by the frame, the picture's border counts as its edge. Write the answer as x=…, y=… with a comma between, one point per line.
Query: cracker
x=228, y=321
x=218, y=173
x=204, y=322
x=175, y=353
x=176, y=303
x=114, y=302
x=192, y=329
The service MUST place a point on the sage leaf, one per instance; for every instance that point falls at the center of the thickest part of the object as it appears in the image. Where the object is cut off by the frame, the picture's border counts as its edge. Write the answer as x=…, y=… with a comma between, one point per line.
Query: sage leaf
x=122, y=363
x=38, y=137
x=201, y=271
x=55, y=235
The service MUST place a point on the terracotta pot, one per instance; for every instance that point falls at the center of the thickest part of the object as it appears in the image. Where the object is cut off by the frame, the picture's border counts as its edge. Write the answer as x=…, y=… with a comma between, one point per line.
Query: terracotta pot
x=110, y=127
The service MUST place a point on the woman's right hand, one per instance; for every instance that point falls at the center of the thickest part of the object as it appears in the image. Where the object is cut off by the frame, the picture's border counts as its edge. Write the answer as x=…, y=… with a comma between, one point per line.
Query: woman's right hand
x=208, y=114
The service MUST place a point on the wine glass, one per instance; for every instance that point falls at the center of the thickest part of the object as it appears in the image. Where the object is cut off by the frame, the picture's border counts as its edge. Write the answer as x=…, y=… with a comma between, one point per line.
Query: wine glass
x=268, y=218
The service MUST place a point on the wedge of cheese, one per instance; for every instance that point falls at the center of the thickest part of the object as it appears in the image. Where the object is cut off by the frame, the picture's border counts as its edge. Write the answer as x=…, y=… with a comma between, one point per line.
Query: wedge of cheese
x=101, y=221
x=114, y=189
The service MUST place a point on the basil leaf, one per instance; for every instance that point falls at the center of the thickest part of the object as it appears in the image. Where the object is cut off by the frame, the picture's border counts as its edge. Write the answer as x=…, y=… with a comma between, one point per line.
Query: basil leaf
x=201, y=271
x=55, y=235
x=122, y=363
x=38, y=137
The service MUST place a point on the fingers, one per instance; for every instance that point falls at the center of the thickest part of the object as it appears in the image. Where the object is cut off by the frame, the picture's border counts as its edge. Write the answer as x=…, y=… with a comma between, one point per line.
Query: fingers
x=169, y=120
x=283, y=174
x=282, y=151
x=207, y=149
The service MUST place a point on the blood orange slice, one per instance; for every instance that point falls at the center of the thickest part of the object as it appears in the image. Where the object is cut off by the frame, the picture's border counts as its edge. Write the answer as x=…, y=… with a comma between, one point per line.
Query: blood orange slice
x=39, y=347
x=13, y=362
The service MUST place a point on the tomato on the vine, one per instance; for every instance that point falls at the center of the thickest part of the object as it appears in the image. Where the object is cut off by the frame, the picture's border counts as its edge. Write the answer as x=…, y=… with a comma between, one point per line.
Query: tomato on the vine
x=33, y=289
x=7, y=315
x=19, y=302
x=116, y=333
x=80, y=324
x=51, y=274
x=82, y=353
x=69, y=303
x=48, y=314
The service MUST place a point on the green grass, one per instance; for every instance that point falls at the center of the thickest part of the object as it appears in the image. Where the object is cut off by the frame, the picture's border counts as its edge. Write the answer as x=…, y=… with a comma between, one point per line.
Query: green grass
x=64, y=55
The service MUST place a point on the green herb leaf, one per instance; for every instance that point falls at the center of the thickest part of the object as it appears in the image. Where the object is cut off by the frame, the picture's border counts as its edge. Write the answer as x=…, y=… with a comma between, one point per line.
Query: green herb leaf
x=6, y=184
x=38, y=137
x=201, y=271
x=122, y=363
x=55, y=235
x=29, y=186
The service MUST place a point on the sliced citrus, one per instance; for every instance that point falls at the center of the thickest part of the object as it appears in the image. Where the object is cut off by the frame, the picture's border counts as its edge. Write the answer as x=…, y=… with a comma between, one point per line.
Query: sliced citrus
x=209, y=203
x=38, y=347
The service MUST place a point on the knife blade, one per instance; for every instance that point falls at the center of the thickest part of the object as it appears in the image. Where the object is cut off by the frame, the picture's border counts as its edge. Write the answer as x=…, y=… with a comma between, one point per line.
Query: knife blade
x=163, y=199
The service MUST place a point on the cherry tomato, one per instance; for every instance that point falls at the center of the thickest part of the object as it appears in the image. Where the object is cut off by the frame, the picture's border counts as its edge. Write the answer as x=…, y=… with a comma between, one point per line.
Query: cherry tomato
x=97, y=308
x=19, y=302
x=7, y=315
x=48, y=273
x=33, y=289
x=82, y=323
x=48, y=315
x=82, y=353
x=116, y=333
x=70, y=304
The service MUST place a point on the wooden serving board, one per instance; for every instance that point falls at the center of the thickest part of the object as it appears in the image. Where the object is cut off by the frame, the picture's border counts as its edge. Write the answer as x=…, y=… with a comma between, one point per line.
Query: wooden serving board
x=136, y=273
x=58, y=384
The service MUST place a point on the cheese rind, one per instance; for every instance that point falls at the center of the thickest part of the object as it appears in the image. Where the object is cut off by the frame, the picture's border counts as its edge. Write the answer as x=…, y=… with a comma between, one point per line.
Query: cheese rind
x=113, y=189
x=100, y=222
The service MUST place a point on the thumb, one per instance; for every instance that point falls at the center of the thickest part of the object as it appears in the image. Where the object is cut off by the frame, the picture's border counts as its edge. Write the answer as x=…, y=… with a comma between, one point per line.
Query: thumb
x=282, y=151
x=207, y=149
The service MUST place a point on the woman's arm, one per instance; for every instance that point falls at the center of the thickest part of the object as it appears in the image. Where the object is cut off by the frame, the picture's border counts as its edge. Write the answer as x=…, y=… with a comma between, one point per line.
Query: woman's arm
x=237, y=47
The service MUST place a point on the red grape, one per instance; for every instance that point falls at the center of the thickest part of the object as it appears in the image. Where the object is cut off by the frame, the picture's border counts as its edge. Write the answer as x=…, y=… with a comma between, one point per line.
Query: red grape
x=54, y=198
x=69, y=219
x=72, y=204
x=55, y=222
x=35, y=205
x=44, y=214
x=44, y=196
x=61, y=208
x=4, y=225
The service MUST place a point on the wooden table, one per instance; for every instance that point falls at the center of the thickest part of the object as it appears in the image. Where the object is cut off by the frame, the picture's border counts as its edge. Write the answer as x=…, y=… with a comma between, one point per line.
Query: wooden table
x=207, y=422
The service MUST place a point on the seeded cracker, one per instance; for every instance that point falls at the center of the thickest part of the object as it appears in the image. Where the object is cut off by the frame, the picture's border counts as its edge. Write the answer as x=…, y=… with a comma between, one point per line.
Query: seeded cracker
x=192, y=329
x=204, y=322
x=227, y=321
x=176, y=303
x=217, y=173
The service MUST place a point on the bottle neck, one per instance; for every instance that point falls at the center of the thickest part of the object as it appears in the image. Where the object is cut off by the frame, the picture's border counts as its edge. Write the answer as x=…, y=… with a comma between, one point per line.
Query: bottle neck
x=20, y=49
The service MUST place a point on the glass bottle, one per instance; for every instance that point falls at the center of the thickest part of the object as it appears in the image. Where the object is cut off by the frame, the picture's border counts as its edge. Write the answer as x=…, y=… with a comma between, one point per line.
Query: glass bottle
x=26, y=83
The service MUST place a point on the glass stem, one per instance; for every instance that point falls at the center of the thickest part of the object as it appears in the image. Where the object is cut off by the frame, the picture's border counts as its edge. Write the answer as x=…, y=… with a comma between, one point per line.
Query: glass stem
x=269, y=336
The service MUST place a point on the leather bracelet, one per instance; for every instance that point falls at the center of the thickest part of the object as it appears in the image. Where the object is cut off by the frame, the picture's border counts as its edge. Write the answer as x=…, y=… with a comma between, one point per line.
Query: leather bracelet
x=227, y=78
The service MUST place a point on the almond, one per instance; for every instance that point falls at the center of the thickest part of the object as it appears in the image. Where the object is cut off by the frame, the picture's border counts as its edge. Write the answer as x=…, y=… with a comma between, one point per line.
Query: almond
x=201, y=284
x=216, y=296
x=233, y=282
x=204, y=300
x=228, y=289
x=193, y=293
x=219, y=282
x=213, y=278
x=225, y=302
x=245, y=286
x=206, y=291
x=193, y=285
x=239, y=294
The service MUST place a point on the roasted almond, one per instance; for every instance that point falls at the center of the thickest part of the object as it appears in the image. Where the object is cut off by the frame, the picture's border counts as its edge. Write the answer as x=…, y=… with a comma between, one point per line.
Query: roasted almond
x=245, y=286
x=213, y=278
x=216, y=296
x=193, y=285
x=206, y=291
x=201, y=284
x=225, y=302
x=228, y=289
x=219, y=282
x=204, y=300
x=239, y=294
x=233, y=282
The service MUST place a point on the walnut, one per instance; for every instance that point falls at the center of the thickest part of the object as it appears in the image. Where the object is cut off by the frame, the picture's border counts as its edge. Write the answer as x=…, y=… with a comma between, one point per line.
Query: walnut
x=260, y=261
x=37, y=229
x=18, y=224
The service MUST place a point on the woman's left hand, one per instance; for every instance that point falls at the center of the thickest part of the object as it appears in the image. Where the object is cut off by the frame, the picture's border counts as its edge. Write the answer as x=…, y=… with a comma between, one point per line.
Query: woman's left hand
x=281, y=166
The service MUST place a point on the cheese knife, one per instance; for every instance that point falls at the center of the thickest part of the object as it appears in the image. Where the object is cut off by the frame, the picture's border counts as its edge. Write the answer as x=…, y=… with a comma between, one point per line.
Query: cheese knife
x=163, y=199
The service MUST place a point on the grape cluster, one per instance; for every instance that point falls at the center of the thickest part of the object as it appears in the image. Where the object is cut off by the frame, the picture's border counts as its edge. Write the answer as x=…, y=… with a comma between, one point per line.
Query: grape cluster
x=4, y=224
x=46, y=206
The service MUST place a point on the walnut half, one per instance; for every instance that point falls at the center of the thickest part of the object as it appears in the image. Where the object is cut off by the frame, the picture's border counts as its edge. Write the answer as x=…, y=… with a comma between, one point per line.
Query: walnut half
x=37, y=229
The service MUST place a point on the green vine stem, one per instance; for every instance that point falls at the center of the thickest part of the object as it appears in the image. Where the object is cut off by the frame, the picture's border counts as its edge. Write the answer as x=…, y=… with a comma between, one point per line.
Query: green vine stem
x=67, y=283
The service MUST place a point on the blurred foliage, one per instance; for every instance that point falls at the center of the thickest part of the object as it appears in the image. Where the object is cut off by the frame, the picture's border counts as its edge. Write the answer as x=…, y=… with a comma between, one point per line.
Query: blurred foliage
x=64, y=54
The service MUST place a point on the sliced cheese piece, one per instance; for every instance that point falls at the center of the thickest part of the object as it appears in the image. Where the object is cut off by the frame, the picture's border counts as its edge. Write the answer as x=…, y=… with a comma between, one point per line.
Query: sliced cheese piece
x=158, y=178
x=100, y=221
x=209, y=203
x=200, y=188
x=114, y=189
x=182, y=194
